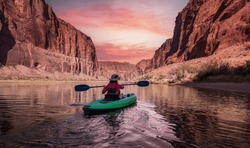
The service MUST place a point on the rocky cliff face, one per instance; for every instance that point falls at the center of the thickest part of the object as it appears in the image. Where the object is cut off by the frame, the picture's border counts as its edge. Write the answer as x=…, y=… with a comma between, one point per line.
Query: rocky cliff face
x=159, y=58
x=143, y=66
x=125, y=70
x=32, y=35
x=205, y=27
x=211, y=38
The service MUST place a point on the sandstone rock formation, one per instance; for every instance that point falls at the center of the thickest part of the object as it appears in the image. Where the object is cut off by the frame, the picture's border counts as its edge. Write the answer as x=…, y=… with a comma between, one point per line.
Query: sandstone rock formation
x=208, y=34
x=205, y=27
x=125, y=70
x=33, y=36
x=143, y=66
x=159, y=58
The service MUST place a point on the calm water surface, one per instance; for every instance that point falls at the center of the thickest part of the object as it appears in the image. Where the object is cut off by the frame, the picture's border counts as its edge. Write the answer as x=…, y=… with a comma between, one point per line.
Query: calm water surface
x=46, y=114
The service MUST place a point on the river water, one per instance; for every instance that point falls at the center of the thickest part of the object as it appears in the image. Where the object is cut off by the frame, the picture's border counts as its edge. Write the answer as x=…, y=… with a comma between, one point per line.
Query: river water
x=49, y=114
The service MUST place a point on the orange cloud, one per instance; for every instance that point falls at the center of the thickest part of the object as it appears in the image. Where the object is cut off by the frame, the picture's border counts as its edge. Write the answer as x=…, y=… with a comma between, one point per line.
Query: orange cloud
x=123, y=53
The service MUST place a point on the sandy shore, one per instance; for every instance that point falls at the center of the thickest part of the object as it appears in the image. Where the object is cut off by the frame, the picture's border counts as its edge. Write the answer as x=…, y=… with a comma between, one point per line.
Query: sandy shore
x=238, y=87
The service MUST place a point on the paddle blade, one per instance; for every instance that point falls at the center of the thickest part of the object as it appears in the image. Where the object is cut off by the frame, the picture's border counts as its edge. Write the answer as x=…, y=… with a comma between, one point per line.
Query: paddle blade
x=81, y=87
x=143, y=83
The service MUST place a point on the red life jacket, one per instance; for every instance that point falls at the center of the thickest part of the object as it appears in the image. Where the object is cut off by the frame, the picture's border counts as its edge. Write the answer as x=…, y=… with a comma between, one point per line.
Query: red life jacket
x=112, y=88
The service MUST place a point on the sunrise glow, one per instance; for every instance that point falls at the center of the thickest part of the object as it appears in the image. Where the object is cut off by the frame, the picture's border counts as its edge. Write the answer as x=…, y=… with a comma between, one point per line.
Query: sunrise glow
x=123, y=31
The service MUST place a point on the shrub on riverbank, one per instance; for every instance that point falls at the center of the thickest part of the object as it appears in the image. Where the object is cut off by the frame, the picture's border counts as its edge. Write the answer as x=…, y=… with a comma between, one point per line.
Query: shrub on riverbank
x=225, y=73
x=208, y=71
x=213, y=72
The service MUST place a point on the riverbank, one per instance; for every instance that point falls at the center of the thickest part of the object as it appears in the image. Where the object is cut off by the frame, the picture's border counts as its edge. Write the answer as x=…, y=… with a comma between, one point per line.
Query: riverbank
x=237, y=87
x=231, y=64
x=23, y=73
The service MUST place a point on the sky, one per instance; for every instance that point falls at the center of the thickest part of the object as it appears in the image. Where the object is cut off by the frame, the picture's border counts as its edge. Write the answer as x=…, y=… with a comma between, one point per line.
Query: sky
x=122, y=30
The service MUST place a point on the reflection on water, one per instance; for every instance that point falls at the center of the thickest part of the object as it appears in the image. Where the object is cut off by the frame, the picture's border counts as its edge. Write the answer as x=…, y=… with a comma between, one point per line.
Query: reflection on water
x=205, y=117
x=165, y=116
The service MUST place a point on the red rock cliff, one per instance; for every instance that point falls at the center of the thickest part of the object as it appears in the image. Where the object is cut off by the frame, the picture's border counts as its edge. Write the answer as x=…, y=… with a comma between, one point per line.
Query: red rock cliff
x=32, y=35
x=144, y=66
x=159, y=58
x=204, y=27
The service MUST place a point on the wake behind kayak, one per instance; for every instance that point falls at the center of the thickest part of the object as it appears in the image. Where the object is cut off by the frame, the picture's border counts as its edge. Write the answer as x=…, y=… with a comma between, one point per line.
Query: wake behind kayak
x=102, y=106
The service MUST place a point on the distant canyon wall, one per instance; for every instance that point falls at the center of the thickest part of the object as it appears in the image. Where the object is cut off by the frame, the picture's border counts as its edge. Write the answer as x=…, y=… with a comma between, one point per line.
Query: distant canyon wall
x=125, y=70
x=143, y=66
x=158, y=60
x=32, y=35
x=203, y=28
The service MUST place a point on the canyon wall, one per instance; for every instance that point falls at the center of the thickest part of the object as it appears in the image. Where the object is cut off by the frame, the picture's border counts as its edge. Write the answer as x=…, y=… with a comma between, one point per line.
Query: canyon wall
x=33, y=36
x=204, y=28
x=143, y=66
x=125, y=70
x=159, y=58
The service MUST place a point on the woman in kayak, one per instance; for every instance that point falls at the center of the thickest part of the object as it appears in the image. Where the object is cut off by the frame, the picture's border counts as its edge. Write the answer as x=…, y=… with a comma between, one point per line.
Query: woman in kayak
x=113, y=88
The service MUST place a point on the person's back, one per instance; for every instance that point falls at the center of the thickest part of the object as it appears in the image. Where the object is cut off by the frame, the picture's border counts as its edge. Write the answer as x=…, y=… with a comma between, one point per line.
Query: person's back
x=113, y=88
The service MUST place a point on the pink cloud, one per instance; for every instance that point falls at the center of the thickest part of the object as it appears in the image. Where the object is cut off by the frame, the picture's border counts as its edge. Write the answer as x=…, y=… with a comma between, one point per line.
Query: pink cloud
x=109, y=17
x=121, y=22
x=123, y=53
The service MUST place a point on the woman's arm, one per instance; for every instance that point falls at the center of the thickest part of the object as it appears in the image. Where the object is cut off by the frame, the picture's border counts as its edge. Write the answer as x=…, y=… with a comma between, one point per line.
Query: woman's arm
x=121, y=86
x=104, y=89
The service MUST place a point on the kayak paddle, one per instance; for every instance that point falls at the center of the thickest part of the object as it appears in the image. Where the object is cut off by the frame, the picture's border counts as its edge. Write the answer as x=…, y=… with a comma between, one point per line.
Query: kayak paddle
x=84, y=87
x=140, y=83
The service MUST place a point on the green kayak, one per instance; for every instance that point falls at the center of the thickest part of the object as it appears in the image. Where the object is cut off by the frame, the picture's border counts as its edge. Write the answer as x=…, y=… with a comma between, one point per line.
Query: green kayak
x=102, y=106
